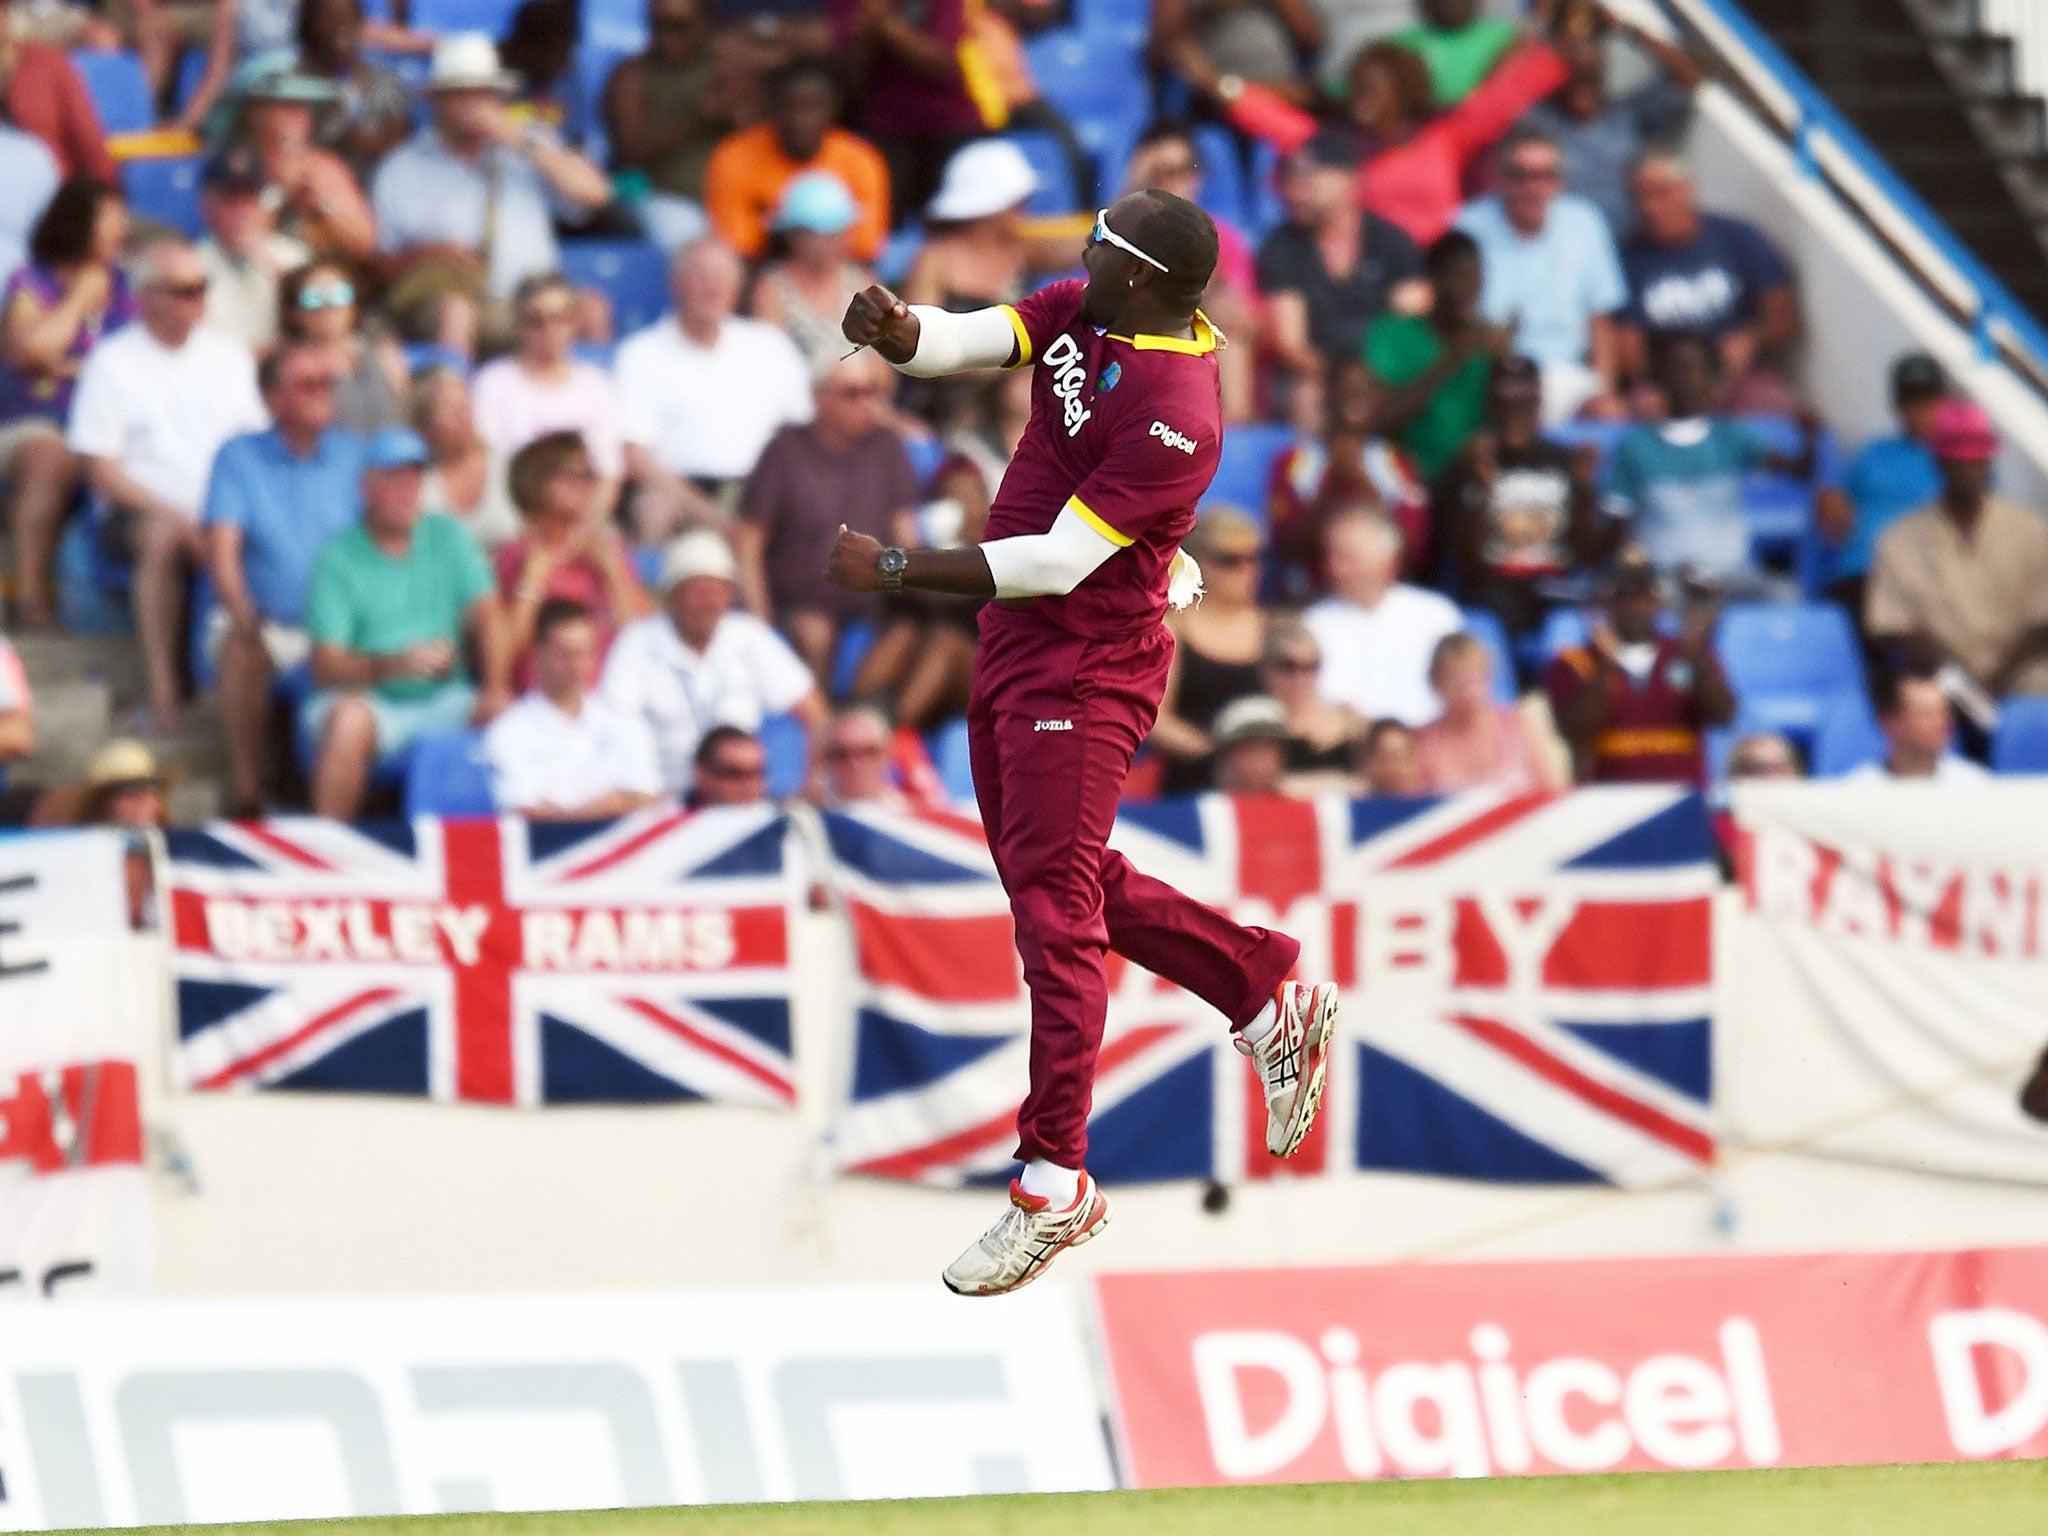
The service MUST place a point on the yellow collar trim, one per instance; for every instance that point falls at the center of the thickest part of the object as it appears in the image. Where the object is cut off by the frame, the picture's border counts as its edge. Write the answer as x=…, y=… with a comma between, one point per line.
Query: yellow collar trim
x=1207, y=339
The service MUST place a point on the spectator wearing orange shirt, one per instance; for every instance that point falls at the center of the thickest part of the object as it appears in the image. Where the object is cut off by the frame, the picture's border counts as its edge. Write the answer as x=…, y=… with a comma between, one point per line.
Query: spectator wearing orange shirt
x=744, y=183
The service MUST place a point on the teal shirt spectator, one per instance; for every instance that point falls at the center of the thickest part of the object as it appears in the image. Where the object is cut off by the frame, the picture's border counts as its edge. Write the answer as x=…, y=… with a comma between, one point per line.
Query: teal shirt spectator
x=1550, y=286
x=1888, y=477
x=1679, y=487
x=364, y=600
x=287, y=508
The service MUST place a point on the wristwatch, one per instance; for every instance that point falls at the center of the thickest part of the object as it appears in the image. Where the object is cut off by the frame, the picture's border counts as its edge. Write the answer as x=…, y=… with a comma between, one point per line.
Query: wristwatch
x=892, y=563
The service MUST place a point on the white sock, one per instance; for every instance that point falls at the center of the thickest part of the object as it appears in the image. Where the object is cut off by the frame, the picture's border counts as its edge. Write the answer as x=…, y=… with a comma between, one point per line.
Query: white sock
x=1262, y=1026
x=1049, y=1181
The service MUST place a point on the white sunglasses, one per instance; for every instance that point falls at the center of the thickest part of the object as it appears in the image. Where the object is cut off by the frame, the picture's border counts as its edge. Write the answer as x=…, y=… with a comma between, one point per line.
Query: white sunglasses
x=1104, y=235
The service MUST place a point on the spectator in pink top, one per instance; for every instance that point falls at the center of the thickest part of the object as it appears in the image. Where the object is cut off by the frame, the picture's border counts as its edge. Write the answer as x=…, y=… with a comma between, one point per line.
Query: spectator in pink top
x=543, y=387
x=568, y=549
x=1477, y=743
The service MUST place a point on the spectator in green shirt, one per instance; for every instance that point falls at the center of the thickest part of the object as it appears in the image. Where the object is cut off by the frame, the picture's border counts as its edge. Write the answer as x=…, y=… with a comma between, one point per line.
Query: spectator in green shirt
x=393, y=598
x=1458, y=44
x=1433, y=367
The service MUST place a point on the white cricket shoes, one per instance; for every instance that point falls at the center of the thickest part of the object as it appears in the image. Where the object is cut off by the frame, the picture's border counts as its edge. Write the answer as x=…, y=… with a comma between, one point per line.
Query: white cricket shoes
x=1294, y=1060
x=1025, y=1240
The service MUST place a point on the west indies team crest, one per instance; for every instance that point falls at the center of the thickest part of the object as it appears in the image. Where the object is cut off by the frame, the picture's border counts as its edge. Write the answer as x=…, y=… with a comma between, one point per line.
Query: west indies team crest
x=1110, y=377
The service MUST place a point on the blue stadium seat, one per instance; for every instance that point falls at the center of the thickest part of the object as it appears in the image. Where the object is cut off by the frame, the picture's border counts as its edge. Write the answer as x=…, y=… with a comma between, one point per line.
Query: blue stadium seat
x=594, y=65
x=926, y=455
x=1263, y=209
x=118, y=88
x=86, y=603
x=1088, y=76
x=167, y=191
x=1846, y=738
x=788, y=748
x=492, y=16
x=898, y=252
x=1790, y=661
x=2020, y=744
x=631, y=273
x=1484, y=625
x=1563, y=629
x=950, y=756
x=1780, y=507
x=856, y=639
x=446, y=776
x=1600, y=436
x=617, y=25
x=1246, y=465
x=1056, y=192
x=191, y=70
x=1222, y=192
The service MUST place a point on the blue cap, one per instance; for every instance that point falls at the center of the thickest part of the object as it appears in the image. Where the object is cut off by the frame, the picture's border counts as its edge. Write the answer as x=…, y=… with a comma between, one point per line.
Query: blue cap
x=819, y=202
x=396, y=448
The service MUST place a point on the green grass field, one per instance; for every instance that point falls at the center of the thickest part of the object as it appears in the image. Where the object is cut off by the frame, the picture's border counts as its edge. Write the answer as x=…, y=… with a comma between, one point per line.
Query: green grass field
x=1996, y=1499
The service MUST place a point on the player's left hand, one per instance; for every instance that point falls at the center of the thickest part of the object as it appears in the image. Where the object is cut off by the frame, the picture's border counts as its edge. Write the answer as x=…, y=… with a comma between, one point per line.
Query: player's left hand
x=852, y=562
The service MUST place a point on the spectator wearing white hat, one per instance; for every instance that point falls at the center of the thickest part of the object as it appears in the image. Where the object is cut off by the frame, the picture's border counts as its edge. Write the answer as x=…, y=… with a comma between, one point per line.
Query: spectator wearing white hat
x=703, y=390
x=561, y=753
x=701, y=663
x=465, y=208
x=805, y=291
x=978, y=252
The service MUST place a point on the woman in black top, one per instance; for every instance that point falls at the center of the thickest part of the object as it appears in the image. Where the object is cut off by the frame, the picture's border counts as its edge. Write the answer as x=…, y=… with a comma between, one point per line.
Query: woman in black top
x=1218, y=644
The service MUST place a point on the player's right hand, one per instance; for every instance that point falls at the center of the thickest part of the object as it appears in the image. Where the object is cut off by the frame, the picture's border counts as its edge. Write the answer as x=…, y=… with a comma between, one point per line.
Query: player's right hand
x=877, y=318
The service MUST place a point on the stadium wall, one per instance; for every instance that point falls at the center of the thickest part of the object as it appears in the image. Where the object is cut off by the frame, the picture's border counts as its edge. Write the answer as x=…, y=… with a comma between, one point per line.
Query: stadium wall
x=303, y=1194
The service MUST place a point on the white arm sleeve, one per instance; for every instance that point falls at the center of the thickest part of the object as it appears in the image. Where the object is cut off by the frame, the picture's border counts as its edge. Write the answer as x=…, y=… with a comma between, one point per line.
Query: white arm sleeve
x=950, y=343
x=1049, y=564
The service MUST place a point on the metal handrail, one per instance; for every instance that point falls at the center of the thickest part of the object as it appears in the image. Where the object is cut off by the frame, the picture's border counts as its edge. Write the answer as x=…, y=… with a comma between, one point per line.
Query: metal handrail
x=1826, y=142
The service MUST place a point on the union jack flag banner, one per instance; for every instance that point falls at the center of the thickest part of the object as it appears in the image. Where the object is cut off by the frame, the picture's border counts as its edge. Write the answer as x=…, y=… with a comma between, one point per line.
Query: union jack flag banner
x=1527, y=991
x=499, y=962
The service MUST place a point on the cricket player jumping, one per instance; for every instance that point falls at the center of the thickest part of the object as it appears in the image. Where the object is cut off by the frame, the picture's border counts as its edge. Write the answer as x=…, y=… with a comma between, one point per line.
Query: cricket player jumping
x=1082, y=554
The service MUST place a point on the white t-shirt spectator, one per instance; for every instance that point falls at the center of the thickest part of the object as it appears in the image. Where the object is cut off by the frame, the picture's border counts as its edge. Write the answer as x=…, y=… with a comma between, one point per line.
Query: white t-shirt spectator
x=1377, y=659
x=1948, y=769
x=707, y=412
x=539, y=755
x=241, y=296
x=745, y=674
x=163, y=414
x=513, y=408
x=28, y=180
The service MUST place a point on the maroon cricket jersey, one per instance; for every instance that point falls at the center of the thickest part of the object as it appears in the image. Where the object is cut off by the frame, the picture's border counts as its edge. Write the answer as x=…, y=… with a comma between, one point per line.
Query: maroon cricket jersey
x=1126, y=430
x=1653, y=731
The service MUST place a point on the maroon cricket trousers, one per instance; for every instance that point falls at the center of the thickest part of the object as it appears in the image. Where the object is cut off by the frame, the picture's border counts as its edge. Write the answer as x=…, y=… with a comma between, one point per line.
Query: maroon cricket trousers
x=1052, y=725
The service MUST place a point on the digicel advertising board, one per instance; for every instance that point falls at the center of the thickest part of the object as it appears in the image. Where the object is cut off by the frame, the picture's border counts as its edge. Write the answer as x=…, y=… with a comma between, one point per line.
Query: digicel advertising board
x=1472, y=1370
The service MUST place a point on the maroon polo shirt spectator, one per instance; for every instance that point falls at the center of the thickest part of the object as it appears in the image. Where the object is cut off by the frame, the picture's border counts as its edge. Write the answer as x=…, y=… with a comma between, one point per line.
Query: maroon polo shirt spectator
x=905, y=65
x=1635, y=704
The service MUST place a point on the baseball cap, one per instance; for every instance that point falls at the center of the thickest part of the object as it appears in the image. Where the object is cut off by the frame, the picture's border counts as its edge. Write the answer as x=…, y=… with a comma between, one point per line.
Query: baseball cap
x=274, y=75
x=1255, y=717
x=1962, y=431
x=699, y=552
x=236, y=170
x=1916, y=376
x=816, y=201
x=1332, y=147
x=396, y=448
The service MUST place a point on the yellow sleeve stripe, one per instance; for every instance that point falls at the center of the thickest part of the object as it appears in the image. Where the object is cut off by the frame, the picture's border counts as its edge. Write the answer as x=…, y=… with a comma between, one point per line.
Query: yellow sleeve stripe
x=1087, y=515
x=1023, y=336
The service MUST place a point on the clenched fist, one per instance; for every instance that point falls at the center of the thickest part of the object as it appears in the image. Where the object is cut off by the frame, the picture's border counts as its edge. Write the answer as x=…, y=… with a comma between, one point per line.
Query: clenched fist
x=877, y=318
x=852, y=562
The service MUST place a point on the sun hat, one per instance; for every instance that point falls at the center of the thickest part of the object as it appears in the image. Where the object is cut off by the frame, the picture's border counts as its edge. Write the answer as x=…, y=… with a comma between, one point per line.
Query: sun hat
x=1256, y=717
x=699, y=552
x=274, y=75
x=122, y=762
x=983, y=178
x=468, y=61
x=818, y=202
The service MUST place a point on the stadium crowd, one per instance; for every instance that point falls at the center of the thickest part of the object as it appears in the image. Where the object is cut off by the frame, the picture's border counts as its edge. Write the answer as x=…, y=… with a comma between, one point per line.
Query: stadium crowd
x=361, y=458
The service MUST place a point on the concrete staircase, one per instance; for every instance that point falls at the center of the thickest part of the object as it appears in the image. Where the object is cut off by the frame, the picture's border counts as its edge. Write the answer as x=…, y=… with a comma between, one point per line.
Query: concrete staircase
x=1936, y=92
x=84, y=685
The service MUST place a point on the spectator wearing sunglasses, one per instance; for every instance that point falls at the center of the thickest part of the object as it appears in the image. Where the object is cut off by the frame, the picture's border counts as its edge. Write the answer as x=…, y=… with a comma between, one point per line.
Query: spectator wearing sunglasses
x=1218, y=644
x=317, y=304
x=543, y=387
x=568, y=548
x=732, y=769
x=155, y=402
x=853, y=765
x=244, y=254
x=275, y=497
x=843, y=468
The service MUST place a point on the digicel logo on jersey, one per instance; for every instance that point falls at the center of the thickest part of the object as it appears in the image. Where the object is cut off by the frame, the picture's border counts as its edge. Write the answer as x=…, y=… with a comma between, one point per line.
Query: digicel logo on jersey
x=1069, y=378
x=1173, y=438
